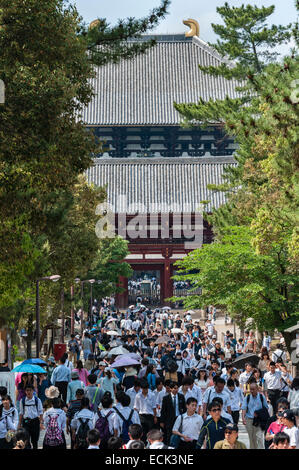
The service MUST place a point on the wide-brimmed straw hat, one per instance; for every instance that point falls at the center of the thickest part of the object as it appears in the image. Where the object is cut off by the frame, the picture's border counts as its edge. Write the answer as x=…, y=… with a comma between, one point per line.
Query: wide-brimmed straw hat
x=52, y=392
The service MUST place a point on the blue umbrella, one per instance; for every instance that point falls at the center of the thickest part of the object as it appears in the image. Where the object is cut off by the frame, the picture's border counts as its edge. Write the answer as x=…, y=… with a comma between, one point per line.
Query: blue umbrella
x=37, y=361
x=30, y=368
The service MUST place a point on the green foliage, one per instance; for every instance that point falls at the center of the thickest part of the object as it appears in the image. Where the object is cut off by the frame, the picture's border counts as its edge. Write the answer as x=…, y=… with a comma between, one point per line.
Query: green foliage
x=245, y=46
x=107, y=44
x=246, y=38
x=47, y=213
x=233, y=276
x=108, y=265
x=252, y=270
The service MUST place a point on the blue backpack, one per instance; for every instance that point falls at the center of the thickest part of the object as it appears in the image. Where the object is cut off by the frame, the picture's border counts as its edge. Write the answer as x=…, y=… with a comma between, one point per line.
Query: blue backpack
x=126, y=424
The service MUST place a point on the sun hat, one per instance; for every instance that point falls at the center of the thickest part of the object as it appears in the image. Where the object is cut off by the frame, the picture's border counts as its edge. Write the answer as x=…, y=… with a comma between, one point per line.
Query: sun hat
x=52, y=392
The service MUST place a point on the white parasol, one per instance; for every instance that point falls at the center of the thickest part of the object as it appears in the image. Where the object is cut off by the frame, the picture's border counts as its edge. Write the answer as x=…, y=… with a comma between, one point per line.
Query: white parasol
x=176, y=330
x=113, y=333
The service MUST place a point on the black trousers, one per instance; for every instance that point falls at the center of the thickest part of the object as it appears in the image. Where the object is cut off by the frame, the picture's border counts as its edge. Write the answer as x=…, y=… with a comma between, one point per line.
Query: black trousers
x=235, y=416
x=147, y=423
x=32, y=426
x=62, y=387
x=5, y=445
x=187, y=445
x=273, y=397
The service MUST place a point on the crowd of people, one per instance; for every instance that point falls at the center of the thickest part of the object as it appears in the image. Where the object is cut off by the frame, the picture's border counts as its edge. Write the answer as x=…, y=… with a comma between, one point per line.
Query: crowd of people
x=155, y=379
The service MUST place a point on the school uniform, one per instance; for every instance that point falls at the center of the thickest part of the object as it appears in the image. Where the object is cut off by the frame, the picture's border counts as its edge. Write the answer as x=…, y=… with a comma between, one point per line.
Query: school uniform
x=190, y=427
x=8, y=422
x=146, y=406
x=31, y=410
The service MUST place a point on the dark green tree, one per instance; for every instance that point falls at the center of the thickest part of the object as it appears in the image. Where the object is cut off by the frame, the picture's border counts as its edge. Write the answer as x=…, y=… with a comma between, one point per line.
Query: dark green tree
x=46, y=63
x=251, y=269
x=106, y=43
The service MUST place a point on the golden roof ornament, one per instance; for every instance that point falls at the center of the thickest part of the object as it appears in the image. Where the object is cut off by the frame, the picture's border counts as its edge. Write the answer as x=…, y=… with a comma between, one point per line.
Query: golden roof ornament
x=94, y=24
x=194, y=28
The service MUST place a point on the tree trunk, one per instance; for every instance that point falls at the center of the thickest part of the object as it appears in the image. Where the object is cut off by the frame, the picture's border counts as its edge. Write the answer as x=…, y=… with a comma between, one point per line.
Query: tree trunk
x=43, y=335
x=29, y=336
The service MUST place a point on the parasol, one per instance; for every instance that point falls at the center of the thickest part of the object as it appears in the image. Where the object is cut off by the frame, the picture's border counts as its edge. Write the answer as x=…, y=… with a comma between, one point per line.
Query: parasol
x=119, y=350
x=163, y=339
x=125, y=362
x=36, y=361
x=240, y=362
x=176, y=330
x=29, y=368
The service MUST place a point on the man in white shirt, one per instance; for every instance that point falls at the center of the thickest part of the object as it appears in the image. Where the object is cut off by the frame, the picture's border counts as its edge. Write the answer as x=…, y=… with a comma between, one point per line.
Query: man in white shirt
x=128, y=324
x=132, y=392
x=195, y=392
x=216, y=391
x=145, y=405
x=188, y=426
x=273, y=385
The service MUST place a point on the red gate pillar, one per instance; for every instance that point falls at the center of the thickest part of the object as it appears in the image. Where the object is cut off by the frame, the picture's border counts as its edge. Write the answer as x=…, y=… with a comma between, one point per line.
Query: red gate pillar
x=122, y=298
x=167, y=280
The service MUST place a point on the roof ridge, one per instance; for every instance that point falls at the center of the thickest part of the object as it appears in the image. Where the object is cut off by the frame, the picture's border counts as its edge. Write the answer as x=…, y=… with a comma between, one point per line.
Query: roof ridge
x=165, y=160
x=210, y=50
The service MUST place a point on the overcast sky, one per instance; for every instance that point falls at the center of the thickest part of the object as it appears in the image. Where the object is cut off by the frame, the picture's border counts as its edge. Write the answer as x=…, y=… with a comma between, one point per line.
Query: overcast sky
x=204, y=11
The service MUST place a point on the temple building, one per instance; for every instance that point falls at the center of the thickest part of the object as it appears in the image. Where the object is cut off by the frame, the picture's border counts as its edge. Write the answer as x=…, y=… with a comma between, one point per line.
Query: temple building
x=157, y=172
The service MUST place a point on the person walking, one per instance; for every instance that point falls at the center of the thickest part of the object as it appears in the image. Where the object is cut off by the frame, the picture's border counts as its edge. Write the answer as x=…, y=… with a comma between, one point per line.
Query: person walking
x=145, y=405
x=73, y=386
x=173, y=405
x=213, y=428
x=9, y=419
x=252, y=403
x=31, y=416
x=74, y=349
x=188, y=426
x=55, y=424
x=60, y=378
x=274, y=385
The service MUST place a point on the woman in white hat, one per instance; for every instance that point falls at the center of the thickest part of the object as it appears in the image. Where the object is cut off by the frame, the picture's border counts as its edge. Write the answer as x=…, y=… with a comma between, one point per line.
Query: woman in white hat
x=55, y=423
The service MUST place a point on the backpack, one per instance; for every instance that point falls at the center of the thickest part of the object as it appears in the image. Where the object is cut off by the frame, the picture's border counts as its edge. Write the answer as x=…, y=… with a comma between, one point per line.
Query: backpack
x=126, y=424
x=81, y=436
x=102, y=425
x=53, y=436
x=36, y=403
x=92, y=402
x=171, y=365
